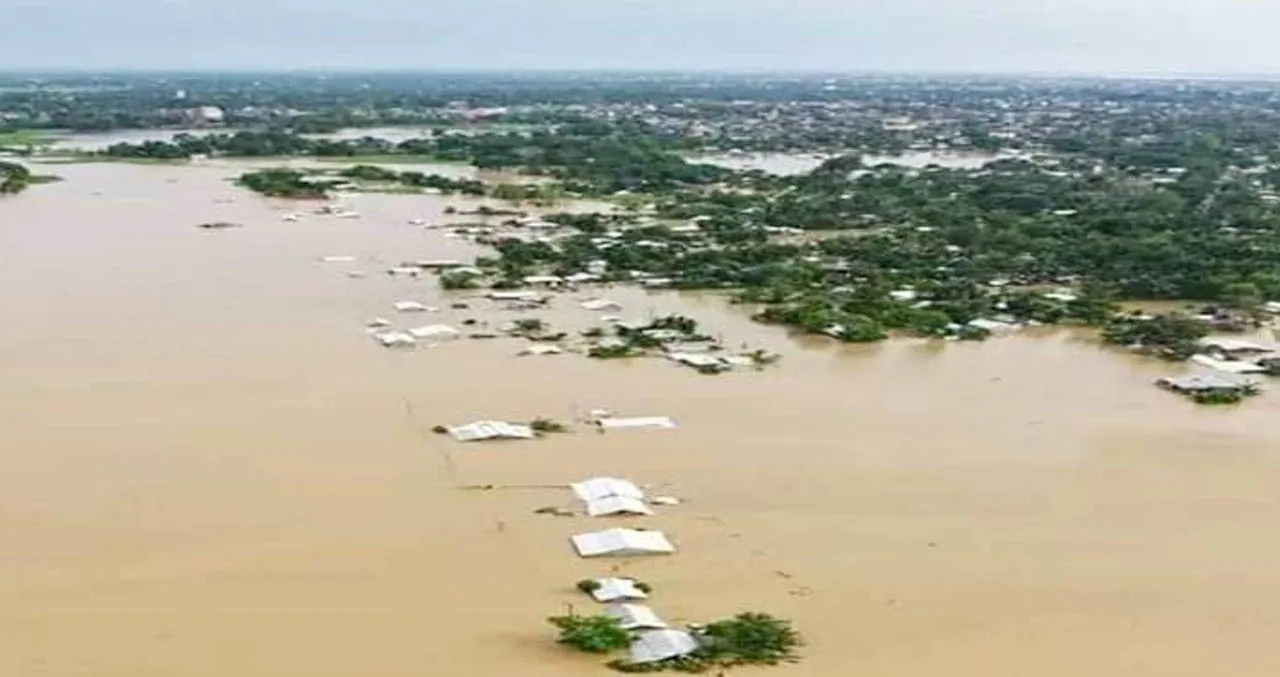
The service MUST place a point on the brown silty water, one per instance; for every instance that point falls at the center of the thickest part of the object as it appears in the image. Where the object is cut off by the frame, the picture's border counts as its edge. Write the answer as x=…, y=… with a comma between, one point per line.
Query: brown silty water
x=208, y=469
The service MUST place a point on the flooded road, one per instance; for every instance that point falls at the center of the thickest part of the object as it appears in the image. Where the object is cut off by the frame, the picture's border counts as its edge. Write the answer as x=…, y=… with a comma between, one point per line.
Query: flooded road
x=208, y=469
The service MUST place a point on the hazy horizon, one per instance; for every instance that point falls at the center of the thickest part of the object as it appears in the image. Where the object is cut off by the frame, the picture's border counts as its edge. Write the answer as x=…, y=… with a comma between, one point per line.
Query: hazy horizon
x=1146, y=38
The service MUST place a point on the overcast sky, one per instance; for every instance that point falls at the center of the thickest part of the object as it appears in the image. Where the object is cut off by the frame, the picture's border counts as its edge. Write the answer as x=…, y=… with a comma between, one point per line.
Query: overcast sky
x=1018, y=36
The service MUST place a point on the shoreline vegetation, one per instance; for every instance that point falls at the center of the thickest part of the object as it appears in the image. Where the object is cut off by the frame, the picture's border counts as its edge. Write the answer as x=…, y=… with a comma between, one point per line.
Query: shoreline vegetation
x=15, y=178
x=1083, y=206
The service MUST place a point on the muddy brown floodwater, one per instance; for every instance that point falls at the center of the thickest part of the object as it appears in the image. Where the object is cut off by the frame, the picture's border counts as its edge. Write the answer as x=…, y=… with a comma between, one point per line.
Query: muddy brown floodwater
x=207, y=469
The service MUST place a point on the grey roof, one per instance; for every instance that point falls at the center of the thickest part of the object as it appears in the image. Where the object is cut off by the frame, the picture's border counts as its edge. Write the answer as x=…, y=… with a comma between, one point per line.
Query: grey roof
x=659, y=645
x=1208, y=381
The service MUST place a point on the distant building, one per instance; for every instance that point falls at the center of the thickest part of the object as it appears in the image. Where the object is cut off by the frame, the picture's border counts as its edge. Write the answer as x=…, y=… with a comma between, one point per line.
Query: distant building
x=205, y=115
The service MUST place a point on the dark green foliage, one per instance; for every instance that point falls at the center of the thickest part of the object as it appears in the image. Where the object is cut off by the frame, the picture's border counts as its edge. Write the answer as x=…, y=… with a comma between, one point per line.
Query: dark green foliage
x=1220, y=397
x=459, y=280
x=592, y=634
x=749, y=639
x=14, y=178
x=1172, y=336
x=287, y=183
x=546, y=425
x=529, y=325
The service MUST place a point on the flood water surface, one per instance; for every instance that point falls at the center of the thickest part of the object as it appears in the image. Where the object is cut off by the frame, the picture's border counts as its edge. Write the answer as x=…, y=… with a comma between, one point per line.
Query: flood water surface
x=209, y=469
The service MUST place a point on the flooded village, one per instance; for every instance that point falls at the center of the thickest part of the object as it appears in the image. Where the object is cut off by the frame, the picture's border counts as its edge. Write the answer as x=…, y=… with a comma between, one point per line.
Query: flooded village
x=367, y=434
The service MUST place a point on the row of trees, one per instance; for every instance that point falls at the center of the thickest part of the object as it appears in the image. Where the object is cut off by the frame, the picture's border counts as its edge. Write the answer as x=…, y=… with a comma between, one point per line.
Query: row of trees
x=293, y=183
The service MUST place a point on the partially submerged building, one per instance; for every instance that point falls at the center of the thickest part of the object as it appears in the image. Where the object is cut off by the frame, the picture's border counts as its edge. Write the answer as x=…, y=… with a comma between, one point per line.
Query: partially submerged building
x=622, y=543
x=660, y=645
x=611, y=423
x=1209, y=382
x=617, y=505
x=435, y=332
x=1235, y=349
x=635, y=617
x=598, y=488
x=1229, y=366
x=491, y=430
x=616, y=590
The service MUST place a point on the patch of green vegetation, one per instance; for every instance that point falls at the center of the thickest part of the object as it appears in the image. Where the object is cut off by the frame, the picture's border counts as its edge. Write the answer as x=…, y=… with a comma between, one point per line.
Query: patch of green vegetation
x=1172, y=337
x=612, y=351
x=1222, y=396
x=544, y=426
x=14, y=178
x=591, y=634
x=26, y=138
x=287, y=183
x=455, y=280
x=748, y=639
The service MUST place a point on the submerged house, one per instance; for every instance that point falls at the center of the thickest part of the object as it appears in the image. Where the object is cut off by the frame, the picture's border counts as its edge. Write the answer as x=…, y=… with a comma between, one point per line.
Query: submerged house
x=597, y=488
x=436, y=332
x=1209, y=382
x=660, y=645
x=611, y=423
x=491, y=430
x=635, y=617
x=617, y=505
x=622, y=543
x=617, y=589
x=1236, y=349
x=1229, y=366
x=395, y=339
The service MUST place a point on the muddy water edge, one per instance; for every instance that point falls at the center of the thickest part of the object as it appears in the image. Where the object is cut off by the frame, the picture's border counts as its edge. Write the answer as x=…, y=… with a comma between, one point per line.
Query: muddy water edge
x=208, y=470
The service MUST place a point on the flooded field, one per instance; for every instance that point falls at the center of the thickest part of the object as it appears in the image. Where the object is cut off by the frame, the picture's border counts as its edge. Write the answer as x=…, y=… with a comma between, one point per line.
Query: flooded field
x=209, y=469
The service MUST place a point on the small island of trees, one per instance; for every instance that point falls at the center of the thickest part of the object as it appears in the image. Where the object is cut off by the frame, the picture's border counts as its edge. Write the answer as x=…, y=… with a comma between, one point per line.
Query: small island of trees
x=748, y=639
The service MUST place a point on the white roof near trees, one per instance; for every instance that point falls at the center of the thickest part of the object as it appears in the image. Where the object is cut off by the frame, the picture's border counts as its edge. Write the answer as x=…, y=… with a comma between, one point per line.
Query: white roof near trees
x=622, y=542
x=541, y=349
x=617, y=505
x=1230, y=345
x=491, y=430
x=993, y=326
x=409, y=307
x=614, y=589
x=1229, y=366
x=659, y=645
x=605, y=487
x=635, y=617
x=1217, y=380
x=695, y=360
x=637, y=422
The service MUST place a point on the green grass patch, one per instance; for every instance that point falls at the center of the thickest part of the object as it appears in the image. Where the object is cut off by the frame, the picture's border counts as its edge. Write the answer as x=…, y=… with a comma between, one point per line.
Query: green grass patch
x=90, y=158
x=26, y=137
